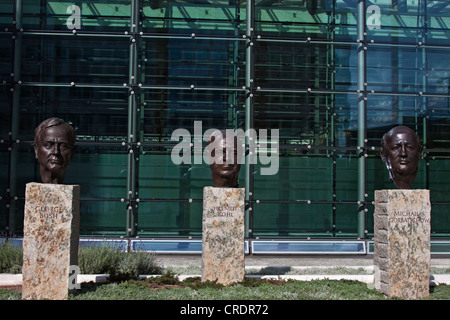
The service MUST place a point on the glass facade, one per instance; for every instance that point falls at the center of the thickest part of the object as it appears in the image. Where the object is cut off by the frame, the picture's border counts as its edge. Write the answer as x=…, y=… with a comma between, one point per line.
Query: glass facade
x=332, y=76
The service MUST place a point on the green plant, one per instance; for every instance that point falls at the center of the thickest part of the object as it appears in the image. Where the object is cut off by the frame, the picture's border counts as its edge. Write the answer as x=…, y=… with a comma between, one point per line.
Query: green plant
x=133, y=264
x=11, y=258
x=168, y=277
x=97, y=259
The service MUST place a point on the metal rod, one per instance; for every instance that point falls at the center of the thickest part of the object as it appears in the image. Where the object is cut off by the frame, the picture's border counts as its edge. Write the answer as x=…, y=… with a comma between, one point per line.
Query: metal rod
x=132, y=118
x=249, y=61
x=361, y=117
x=227, y=89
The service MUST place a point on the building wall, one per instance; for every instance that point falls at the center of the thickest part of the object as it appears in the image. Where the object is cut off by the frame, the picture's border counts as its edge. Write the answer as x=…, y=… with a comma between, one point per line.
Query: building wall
x=331, y=76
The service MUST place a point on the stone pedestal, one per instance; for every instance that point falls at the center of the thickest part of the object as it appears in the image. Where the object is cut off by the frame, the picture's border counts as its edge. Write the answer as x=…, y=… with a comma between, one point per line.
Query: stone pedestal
x=223, y=255
x=402, y=243
x=50, y=242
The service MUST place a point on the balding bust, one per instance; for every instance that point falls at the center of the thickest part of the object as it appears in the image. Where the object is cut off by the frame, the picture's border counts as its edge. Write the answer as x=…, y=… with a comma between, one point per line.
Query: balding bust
x=401, y=151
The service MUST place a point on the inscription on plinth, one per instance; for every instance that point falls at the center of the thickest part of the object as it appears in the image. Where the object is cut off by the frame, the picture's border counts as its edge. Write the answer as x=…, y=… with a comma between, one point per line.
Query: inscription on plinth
x=402, y=242
x=223, y=255
x=50, y=242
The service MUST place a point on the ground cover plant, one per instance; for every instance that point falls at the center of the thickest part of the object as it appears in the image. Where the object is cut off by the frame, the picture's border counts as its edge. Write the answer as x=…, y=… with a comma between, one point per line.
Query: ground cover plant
x=168, y=287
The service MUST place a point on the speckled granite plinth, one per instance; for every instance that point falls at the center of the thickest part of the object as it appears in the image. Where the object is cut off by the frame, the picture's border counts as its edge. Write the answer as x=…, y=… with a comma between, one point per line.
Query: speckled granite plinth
x=402, y=242
x=223, y=255
x=50, y=242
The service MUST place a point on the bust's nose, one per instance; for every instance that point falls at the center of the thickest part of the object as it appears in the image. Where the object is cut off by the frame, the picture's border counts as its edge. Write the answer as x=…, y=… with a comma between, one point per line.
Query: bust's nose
x=403, y=153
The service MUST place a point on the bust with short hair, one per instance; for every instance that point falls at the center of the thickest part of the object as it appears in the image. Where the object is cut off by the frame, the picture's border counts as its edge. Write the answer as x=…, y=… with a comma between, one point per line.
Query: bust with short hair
x=54, y=145
x=224, y=160
x=401, y=151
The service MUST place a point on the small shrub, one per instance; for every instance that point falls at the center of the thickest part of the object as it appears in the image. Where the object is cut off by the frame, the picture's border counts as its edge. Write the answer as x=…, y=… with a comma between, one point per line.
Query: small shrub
x=133, y=264
x=11, y=258
x=125, y=269
x=146, y=263
x=92, y=260
x=98, y=259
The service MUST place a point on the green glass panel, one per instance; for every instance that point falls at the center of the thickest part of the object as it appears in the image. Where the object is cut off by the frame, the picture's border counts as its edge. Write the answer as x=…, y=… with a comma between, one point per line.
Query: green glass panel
x=182, y=18
x=101, y=173
x=293, y=180
x=439, y=219
x=439, y=175
x=170, y=218
x=410, y=21
x=305, y=19
x=273, y=219
x=345, y=220
x=346, y=177
x=102, y=217
x=65, y=15
x=160, y=178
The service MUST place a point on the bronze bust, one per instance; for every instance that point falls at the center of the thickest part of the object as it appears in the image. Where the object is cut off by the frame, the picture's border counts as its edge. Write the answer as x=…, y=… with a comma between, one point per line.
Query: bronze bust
x=54, y=144
x=224, y=162
x=401, y=151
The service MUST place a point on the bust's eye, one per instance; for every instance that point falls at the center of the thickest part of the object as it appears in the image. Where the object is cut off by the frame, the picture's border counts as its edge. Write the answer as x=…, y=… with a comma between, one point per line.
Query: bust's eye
x=48, y=145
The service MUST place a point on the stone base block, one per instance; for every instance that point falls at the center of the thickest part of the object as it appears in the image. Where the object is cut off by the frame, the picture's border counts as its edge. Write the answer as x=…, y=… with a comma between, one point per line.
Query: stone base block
x=50, y=242
x=223, y=255
x=402, y=242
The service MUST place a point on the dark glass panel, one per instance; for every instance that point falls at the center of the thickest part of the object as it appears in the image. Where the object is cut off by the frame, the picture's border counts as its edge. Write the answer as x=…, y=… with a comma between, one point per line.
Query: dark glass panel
x=97, y=114
x=63, y=60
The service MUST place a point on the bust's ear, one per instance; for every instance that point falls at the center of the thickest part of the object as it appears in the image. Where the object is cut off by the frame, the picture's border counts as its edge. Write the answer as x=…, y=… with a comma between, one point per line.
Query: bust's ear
x=35, y=151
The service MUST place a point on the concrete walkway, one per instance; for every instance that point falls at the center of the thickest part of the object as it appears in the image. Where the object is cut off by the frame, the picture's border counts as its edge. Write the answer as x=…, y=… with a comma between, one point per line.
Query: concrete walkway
x=292, y=260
